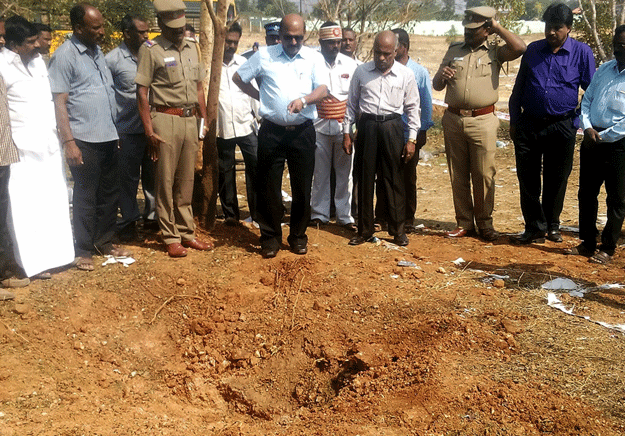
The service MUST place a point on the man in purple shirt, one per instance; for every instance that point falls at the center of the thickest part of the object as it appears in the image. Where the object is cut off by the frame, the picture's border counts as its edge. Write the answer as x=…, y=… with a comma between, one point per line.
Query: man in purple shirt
x=543, y=121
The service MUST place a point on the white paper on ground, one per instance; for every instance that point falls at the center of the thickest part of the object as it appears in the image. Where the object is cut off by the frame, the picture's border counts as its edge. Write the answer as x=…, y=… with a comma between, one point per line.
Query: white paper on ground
x=126, y=261
x=554, y=302
x=559, y=283
x=458, y=261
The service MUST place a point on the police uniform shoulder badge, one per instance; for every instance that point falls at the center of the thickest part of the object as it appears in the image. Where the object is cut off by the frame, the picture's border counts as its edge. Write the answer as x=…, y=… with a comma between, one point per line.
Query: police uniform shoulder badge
x=149, y=43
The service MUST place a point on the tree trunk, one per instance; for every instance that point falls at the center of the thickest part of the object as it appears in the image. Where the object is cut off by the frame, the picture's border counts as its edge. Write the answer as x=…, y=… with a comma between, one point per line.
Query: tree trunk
x=210, y=170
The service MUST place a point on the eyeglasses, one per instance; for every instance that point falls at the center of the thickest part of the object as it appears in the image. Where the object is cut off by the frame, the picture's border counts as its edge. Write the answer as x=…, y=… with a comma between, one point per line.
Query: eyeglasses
x=297, y=38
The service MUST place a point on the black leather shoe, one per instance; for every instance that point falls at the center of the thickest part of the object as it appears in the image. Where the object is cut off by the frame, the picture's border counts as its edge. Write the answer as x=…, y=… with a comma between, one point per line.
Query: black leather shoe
x=554, y=235
x=269, y=252
x=358, y=240
x=299, y=249
x=401, y=240
x=489, y=234
x=525, y=238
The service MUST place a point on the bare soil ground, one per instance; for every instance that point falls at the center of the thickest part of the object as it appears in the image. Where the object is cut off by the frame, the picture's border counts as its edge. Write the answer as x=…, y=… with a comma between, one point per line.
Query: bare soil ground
x=342, y=341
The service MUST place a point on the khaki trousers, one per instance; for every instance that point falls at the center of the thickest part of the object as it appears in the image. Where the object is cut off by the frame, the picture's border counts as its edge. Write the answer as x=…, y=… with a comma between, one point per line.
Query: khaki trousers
x=174, y=175
x=470, y=145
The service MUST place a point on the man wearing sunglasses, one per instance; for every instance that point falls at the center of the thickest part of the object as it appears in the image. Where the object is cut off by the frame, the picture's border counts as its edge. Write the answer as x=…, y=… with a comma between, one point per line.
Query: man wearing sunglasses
x=292, y=83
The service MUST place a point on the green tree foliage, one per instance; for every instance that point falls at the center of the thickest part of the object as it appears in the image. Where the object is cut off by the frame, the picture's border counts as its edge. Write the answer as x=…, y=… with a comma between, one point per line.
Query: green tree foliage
x=277, y=8
x=56, y=13
x=597, y=24
x=508, y=13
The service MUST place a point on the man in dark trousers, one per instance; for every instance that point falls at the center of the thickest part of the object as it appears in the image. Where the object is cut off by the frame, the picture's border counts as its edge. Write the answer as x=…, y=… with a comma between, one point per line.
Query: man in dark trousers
x=84, y=101
x=543, y=121
x=602, y=156
x=292, y=83
x=381, y=91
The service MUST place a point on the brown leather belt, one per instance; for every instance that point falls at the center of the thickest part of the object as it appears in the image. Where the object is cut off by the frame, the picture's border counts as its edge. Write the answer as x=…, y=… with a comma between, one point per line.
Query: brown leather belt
x=472, y=112
x=177, y=111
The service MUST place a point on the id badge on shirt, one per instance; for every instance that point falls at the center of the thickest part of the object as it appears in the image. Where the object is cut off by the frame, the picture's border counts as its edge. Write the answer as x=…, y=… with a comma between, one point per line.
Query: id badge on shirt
x=170, y=62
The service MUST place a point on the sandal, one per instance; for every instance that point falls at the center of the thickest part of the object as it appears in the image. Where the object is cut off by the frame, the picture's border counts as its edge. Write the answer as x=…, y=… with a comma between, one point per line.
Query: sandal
x=84, y=263
x=580, y=250
x=601, y=258
x=43, y=276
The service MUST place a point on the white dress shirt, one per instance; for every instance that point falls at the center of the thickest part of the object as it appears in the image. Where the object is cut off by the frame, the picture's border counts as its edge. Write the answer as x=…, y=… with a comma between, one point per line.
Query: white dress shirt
x=340, y=76
x=285, y=79
x=235, y=118
x=372, y=92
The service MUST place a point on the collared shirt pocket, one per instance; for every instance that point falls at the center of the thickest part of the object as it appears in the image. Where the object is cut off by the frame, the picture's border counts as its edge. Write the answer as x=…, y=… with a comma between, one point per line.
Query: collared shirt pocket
x=344, y=81
x=173, y=69
x=395, y=95
x=193, y=73
x=617, y=102
x=485, y=67
x=569, y=73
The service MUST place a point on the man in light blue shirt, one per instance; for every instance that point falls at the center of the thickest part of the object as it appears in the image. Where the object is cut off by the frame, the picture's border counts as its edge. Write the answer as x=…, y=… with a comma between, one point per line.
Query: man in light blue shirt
x=85, y=107
x=424, y=85
x=134, y=161
x=292, y=83
x=602, y=156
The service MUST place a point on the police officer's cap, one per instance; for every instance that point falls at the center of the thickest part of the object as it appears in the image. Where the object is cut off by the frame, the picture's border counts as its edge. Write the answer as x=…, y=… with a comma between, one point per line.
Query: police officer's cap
x=171, y=12
x=272, y=29
x=476, y=17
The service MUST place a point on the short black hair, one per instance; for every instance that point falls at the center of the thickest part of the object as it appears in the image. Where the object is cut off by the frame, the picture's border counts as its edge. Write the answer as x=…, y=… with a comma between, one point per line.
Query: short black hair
x=328, y=24
x=42, y=28
x=235, y=28
x=77, y=14
x=620, y=29
x=402, y=37
x=18, y=29
x=558, y=13
x=128, y=22
x=189, y=27
x=348, y=29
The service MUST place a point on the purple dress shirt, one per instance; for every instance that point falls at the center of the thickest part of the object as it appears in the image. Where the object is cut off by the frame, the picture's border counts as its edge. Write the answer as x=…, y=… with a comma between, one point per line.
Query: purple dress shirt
x=548, y=83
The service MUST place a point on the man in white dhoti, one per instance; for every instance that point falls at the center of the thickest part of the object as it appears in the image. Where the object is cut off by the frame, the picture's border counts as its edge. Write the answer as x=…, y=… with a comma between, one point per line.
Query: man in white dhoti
x=39, y=207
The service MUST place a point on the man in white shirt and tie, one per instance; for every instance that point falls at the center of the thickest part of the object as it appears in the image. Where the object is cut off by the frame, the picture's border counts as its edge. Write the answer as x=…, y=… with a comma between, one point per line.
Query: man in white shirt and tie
x=329, y=153
x=235, y=126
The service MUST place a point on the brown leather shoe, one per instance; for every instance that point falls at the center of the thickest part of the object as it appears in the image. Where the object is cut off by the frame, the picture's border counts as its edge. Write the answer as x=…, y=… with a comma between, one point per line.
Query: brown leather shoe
x=489, y=234
x=176, y=250
x=198, y=245
x=460, y=232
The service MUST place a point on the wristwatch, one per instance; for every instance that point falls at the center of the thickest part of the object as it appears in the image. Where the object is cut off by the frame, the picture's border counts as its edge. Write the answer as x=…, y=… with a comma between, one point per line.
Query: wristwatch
x=304, y=104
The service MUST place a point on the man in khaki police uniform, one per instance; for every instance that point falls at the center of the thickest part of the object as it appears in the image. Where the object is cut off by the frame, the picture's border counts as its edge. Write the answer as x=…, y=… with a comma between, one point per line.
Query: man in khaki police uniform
x=169, y=68
x=470, y=71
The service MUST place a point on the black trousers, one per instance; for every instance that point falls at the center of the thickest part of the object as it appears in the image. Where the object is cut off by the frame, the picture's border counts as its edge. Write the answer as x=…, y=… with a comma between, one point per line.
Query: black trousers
x=546, y=146
x=379, y=147
x=601, y=163
x=410, y=187
x=228, y=176
x=6, y=244
x=294, y=145
x=96, y=195
x=134, y=165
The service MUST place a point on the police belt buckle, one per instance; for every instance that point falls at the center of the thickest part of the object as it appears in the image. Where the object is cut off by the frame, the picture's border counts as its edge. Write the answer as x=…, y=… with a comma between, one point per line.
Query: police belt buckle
x=188, y=111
